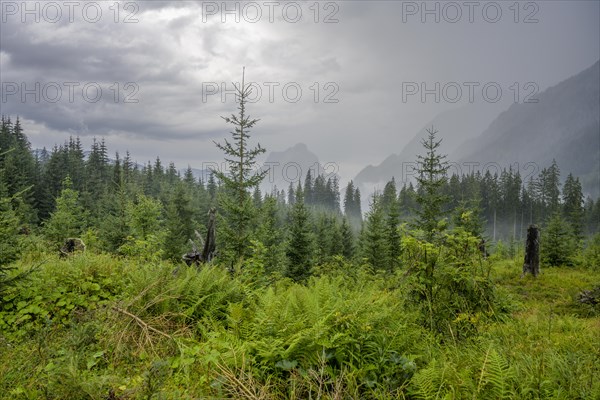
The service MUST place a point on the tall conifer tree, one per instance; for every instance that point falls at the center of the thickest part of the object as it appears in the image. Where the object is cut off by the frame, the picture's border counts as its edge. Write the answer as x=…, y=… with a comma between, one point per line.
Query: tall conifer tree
x=235, y=202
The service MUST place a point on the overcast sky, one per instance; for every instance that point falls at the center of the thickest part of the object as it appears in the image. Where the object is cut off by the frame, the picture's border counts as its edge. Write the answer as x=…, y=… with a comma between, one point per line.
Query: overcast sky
x=356, y=63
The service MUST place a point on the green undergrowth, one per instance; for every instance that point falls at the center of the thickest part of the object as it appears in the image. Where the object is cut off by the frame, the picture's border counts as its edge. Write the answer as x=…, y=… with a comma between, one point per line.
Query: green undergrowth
x=99, y=327
x=555, y=290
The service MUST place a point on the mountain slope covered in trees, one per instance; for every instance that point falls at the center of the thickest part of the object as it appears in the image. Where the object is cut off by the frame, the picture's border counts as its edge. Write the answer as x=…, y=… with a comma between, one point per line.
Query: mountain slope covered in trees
x=564, y=125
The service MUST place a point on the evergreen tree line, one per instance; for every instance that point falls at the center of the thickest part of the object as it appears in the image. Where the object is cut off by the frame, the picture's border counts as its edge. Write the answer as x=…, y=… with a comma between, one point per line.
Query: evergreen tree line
x=506, y=204
x=154, y=210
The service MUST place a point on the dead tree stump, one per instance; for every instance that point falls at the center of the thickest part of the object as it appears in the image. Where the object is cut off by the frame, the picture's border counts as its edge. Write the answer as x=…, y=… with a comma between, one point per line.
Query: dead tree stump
x=210, y=246
x=70, y=246
x=532, y=251
x=209, y=250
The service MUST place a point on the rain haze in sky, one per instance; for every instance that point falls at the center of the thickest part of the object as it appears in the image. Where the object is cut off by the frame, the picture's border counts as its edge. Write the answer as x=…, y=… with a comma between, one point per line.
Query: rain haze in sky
x=353, y=80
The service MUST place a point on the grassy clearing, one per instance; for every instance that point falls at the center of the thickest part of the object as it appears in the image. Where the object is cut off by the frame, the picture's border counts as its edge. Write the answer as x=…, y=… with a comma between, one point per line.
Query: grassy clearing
x=99, y=327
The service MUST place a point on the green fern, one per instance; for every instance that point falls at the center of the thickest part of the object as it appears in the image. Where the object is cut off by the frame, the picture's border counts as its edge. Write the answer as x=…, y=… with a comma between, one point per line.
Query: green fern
x=430, y=382
x=494, y=377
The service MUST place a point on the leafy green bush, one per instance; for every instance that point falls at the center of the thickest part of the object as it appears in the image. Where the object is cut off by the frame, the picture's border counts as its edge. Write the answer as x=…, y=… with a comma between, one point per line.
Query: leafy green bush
x=54, y=292
x=149, y=249
x=450, y=283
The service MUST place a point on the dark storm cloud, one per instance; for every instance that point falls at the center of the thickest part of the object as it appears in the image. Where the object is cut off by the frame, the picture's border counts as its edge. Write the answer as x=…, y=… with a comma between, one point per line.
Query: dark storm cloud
x=154, y=57
x=103, y=51
x=104, y=54
x=173, y=52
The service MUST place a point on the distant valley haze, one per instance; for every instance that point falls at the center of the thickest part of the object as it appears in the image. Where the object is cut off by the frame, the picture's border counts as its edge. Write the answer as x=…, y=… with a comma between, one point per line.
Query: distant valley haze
x=351, y=85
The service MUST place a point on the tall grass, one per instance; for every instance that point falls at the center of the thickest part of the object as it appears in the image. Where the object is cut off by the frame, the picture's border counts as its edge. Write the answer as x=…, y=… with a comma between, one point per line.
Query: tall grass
x=100, y=327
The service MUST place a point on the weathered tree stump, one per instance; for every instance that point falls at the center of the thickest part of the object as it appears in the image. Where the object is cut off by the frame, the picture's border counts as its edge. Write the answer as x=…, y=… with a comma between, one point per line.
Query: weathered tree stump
x=195, y=257
x=210, y=244
x=532, y=251
x=70, y=246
